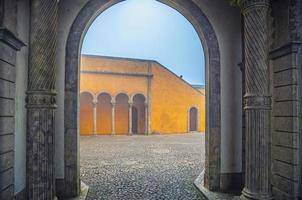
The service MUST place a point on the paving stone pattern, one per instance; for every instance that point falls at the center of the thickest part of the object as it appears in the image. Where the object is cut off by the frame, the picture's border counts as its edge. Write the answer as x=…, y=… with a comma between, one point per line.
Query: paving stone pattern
x=142, y=167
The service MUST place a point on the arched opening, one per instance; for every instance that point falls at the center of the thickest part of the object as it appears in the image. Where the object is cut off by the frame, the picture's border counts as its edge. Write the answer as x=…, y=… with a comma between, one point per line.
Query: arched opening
x=134, y=120
x=104, y=114
x=208, y=37
x=139, y=111
x=193, y=119
x=86, y=113
x=121, y=114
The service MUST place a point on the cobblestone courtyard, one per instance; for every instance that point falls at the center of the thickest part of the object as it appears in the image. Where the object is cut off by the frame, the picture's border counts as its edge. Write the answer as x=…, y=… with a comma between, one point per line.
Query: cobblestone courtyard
x=142, y=167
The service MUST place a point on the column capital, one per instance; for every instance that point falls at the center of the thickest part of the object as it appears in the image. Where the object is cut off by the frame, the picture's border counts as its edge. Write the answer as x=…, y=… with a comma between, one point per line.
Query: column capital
x=257, y=102
x=130, y=103
x=113, y=102
x=40, y=99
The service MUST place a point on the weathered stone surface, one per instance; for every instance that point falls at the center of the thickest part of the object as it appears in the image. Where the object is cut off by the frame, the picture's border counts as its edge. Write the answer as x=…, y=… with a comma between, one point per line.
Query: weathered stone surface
x=287, y=124
x=7, y=71
x=7, y=89
x=7, y=54
x=286, y=109
x=287, y=77
x=7, y=107
x=288, y=155
x=6, y=178
x=6, y=161
x=284, y=63
x=6, y=143
x=285, y=139
x=286, y=93
x=7, y=193
x=281, y=182
x=6, y=125
x=285, y=170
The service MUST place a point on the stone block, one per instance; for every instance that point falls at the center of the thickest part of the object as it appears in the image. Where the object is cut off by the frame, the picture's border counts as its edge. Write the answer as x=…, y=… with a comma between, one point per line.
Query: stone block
x=285, y=170
x=7, y=193
x=7, y=89
x=285, y=139
x=7, y=107
x=286, y=109
x=6, y=143
x=286, y=124
x=284, y=63
x=7, y=71
x=6, y=125
x=281, y=195
x=7, y=54
x=287, y=77
x=6, y=178
x=286, y=93
x=283, y=184
x=284, y=154
x=6, y=161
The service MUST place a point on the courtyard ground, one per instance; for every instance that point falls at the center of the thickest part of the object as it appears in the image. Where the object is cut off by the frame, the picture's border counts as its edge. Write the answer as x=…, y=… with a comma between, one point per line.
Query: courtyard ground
x=142, y=167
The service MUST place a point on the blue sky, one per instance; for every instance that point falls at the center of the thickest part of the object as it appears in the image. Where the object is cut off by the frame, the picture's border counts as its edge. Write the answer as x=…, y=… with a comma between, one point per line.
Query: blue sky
x=147, y=29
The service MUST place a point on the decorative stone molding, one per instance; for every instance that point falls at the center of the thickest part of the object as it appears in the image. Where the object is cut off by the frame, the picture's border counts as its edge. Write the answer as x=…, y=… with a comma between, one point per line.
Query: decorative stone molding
x=10, y=39
x=257, y=102
x=41, y=99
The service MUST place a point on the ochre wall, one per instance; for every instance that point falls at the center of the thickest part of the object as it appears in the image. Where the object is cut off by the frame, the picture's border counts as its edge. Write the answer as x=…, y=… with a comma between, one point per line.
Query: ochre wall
x=114, y=85
x=121, y=115
x=104, y=114
x=86, y=114
x=171, y=101
x=171, y=97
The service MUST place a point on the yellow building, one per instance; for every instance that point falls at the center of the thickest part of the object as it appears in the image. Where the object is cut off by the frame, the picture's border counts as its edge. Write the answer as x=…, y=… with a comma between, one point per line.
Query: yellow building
x=129, y=96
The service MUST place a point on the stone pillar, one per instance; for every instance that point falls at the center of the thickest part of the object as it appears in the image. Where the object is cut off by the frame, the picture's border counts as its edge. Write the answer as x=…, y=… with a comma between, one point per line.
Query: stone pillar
x=113, y=117
x=130, y=117
x=94, y=116
x=257, y=100
x=41, y=100
x=146, y=119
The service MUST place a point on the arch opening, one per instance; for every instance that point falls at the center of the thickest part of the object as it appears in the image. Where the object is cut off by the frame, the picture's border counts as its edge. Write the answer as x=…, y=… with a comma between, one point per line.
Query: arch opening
x=104, y=114
x=208, y=37
x=139, y=114
x=86, y=113
x=193, y=119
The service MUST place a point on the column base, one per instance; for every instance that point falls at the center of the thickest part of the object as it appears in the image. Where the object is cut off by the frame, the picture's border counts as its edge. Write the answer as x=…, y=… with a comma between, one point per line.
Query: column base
x=247, y=195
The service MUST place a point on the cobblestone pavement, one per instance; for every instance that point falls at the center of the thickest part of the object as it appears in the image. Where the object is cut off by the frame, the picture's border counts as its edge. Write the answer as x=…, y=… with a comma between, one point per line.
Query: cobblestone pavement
x=142, y=167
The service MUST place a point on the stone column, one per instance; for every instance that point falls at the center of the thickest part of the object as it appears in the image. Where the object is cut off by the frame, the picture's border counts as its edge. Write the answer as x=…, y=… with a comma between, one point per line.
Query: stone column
x=94, y=116
x=41, y=100
x=130, y=117
x=257, y=100
x=146, y=119
x=113, y=117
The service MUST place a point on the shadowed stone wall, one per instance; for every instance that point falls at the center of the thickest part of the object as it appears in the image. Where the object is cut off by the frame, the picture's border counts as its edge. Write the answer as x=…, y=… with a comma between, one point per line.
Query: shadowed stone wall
x=9, y=45
x=286, y=90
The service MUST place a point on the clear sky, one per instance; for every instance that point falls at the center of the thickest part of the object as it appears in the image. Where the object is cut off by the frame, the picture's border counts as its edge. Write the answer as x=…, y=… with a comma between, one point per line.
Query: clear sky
x=147, y=29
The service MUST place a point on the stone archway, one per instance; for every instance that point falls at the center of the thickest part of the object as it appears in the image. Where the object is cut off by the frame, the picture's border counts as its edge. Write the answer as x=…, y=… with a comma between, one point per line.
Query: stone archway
x=208, y=37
